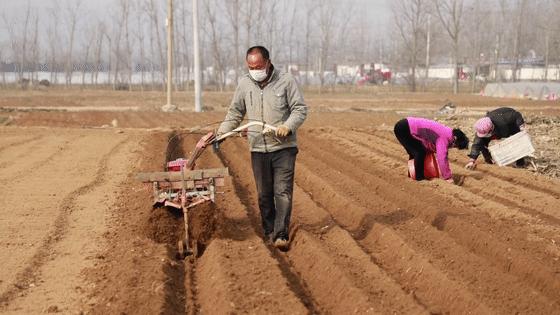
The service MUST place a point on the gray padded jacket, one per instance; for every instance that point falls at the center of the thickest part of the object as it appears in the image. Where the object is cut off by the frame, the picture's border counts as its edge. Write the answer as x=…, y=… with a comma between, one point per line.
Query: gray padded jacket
x=280, y=102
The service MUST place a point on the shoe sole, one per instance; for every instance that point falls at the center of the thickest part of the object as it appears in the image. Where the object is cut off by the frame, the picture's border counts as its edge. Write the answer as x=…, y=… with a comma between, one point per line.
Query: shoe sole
x=282, y=245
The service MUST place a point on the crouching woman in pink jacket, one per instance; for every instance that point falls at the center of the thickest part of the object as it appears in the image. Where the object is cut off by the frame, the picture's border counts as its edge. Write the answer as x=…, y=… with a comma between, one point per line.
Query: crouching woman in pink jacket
x=420, y=136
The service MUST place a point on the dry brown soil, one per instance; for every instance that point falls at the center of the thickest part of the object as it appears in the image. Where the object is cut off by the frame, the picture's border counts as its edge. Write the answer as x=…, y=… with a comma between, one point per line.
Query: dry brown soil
x=78, y=234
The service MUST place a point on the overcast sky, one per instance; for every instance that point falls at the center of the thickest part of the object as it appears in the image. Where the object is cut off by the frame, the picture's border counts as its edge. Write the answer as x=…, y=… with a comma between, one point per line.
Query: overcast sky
x=379, y=8
x=378, y=11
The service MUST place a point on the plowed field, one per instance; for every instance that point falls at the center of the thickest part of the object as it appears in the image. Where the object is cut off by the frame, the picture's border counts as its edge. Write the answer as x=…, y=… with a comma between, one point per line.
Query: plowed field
x=79, y=234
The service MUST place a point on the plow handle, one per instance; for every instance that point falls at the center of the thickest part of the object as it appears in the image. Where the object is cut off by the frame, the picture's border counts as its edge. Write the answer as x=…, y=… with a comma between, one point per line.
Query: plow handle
x=266, y=128
x=211, y=139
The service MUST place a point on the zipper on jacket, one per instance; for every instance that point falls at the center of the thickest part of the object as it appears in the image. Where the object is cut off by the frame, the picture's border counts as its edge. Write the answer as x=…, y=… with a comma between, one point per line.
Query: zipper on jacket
x=262, y=119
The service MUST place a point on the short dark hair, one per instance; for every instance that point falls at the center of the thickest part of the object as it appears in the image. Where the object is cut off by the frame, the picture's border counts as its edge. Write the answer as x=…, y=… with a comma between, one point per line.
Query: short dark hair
x=462, y=142
x=260, y=49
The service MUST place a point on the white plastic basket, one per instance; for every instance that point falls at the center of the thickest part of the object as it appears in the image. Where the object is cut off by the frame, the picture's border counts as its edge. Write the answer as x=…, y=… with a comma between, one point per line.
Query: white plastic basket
x=512, y=149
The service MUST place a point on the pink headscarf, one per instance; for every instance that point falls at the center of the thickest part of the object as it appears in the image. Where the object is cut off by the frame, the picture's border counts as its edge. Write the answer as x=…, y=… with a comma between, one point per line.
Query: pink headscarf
x=484, y=127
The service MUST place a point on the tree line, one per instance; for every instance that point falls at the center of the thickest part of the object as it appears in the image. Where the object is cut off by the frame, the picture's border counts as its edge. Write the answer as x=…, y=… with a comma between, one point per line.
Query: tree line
x=475, y=33
x=310, y=36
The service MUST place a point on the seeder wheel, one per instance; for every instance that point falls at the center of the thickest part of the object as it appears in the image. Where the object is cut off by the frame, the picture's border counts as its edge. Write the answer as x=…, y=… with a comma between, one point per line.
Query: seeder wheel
x=183, y=249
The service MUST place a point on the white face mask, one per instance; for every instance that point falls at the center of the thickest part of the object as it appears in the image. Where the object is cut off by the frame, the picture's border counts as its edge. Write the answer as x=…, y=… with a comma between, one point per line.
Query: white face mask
x=258, y=75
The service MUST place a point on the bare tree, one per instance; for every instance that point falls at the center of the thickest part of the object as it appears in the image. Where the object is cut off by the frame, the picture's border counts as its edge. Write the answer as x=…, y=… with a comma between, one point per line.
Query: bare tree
x=9, y=24
x=544, y=25
x=500, y=20
x=257, y=20
x=428, y=46
x=253, y=19
x=326, y=23
x=450, y=13
x=520, y=12
x=110, y=60
x=271, y=26
x=101, y=31
x=176, y=49
x=292, y=27
x=233, y=15
x=116, y=43
x=475, y=40
x=148, y=8
x=86, y=48
x=410, y=18
x=215, y=39
x=35, y=49
x=140, y=39
x=72, y=14
x=10, y=27
x=155, y=17
x=153, y=11
x=314, y=34
x=344, y=16
x=308, y=32
x=125, y=7
x=2, y=65
x=331, y=21
x=121, y=24
x=247, y=19
x=23, y=54
x=185, y=47
x=54, y=40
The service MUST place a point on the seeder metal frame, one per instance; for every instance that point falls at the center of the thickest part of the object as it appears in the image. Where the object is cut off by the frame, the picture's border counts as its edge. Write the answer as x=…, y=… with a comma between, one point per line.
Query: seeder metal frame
x=182, y=187
x=184, y=190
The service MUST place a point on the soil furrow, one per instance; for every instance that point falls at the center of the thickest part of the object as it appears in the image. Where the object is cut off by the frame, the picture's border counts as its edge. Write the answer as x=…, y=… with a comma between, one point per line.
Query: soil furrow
x=237, y=258
x=472, y=195
x=138, y=272
x=444, y=254
x=512, y=261
x=471, y=181
x=368, y=229
x=353, y=261
x=542, y=203
x=469, y=200
x=311, y=259
x=32, y=270
x=17, y=140
x=80, y=247
x=40, y=158
x=543, y=185
x=19, y=150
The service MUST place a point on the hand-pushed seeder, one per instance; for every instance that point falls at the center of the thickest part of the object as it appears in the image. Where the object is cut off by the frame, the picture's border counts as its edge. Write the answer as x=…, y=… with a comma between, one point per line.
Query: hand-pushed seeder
x=182, y=187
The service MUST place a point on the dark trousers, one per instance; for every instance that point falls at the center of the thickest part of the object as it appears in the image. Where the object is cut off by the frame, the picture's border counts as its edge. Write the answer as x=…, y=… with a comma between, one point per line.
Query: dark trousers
x=274, y=176
x=413, y=147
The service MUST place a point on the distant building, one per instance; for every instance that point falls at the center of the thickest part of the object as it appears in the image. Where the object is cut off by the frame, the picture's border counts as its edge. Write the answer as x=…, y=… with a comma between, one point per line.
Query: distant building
x=444, y=72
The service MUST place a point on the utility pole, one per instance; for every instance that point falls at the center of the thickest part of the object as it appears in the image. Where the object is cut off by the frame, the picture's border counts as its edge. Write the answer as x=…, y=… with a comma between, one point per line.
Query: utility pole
x=546, y=55
x=169, y=23
x=428, y=38
x=196, y=59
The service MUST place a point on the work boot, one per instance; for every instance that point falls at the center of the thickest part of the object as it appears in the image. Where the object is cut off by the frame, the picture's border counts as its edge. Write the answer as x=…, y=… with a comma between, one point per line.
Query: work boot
x=282, y=244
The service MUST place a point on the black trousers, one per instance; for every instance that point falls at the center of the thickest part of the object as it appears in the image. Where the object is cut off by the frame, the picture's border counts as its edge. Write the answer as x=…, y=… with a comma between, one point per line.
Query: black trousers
x=413, y=147
x=274, y=176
